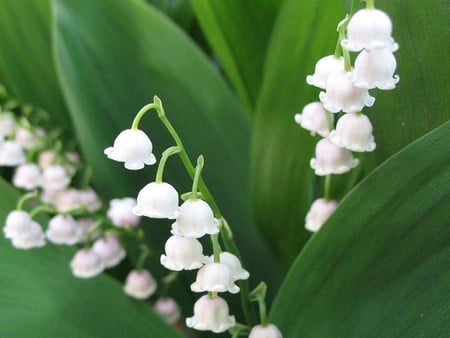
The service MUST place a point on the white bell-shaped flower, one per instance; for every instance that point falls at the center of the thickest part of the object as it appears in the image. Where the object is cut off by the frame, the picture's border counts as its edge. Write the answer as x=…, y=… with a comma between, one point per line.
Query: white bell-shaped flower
x=27, y=139
x=313, y=118
x=369, y=29
x=268, y=331
x=168, y=309
x=63, y=230
x=11, y=154
x=215, y=277
x=341, y=94
x=87, y=225
x=331, y=159
x=7, y=124
x=234, y=264
x=319, y=212
x=34, y=238
x=89, y=199
x=195, y=219
x=134, y=148
x=110, y=250
x=354, y=132
x=324, y=68
x=27, y=176
x=18, y=222
x=211, y=314
x=183, y=254
x=86, y=264
x=67, y=199
x=120, y=212
x=157, y=200
x=140, y=284
x=55, y=177
x=46, y=158
x=375, y=69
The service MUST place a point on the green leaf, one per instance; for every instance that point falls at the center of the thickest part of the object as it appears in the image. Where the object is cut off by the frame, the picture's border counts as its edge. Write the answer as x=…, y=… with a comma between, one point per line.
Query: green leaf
x=112, y=58
x=26, y=65
x=179, y=11
x=281, y=176
x=379, y=266
x=41, y=298
x=238, y=32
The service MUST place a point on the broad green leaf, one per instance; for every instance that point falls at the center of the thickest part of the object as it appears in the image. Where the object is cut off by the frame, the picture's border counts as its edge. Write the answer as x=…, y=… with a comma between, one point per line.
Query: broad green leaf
x=41, y=298
x=26, y=64
x=281, y=175
x=179, y=11
x=379, y=266
x=238, y=32
x=112, y=58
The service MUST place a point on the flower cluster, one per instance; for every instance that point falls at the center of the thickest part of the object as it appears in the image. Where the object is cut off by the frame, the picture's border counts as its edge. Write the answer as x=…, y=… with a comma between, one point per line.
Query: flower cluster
x=345, y=93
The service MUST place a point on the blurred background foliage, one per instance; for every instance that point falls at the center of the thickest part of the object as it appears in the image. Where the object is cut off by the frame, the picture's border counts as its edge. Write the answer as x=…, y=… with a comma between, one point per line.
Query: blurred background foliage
x=231, y=74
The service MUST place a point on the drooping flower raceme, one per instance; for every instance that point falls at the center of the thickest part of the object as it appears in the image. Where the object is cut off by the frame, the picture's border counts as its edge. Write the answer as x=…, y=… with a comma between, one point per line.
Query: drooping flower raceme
x=324, y=68
x=195, y=219
x=110, y=250
x=268, y=331
x=332, y=159
x=157, y=200
x=134, y=148
x=313, y=118
x=86, y=263
x=211, y=314
x=215, y=277
x=319, y=212
x=183, y=254
x=120, y=212
x=27, y=176
x=140, y=284
x=354, y=132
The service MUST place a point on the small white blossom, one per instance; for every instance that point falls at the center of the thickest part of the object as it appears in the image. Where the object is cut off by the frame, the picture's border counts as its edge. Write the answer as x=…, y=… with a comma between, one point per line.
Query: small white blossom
x=63, y=230
x=46, y=158
x=18, y=222
x=120, y=212
x=375, y=69
x=27, y=139
x=211, y=314
x=110, y=250
x=195, y=220
x=27, y=176
x=34, y=238
x=86, y=225
x=331, y=159
x=324, y=68
x=89, y=199
x=234, y=264
x=65, y=200
x=313, y=118
x=215, y=277
x=157, y=200
x=269, y=331
x=319, y=212
x=7, y=124
x=140, y=284
x=55, y=178
x=132, y=147
x=183, y=254
x=169, y=309
x=369, y=29
x=11, y=154
x=341, y=94
x=354, y=132
x=86, y=264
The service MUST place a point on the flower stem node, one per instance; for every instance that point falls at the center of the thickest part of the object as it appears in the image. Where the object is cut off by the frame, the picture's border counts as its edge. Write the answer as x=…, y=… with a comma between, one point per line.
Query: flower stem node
x=157, y=200
x=324, y=68
x=195, y=220
x=313, y=118
x=211, y=314
x=354, y=132
x=134, y=148
x=369, y=29
x=332, y=159
x=23, y=231
x=110, y=250
x=342, y=95
x=319, y=212
x=86, y=264
x=121, y=213
x=234, y=264
x=11, y=154
x=55, y=178
x=268, y=331
x=183, y=253
x=169, y=309
x=63, y=230
x=375, y=69
x=215, y=277
x=27, y=176
x=140, y=284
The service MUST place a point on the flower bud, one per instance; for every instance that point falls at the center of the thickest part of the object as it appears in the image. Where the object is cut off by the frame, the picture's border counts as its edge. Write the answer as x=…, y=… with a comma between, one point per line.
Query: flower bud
x=140, y=284
x=33, y=238
x=120, y=212
x=319, y=212
x=169, y=309
x=234, y=264
x=110, y=250
x=86, y=264
x=55, y=178
x=89, y=199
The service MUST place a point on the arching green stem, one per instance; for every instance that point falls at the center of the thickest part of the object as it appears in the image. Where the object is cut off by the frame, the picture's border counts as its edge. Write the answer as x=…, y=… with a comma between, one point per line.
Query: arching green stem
x=198, y=171
x=370, y=4
x=329, y=119
x=216, y=247
x=162, y=163
x=42, y=208
x=141, y=113
x=342, y=26
x=259, y=295
x=145, y=253
x=25, y=198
